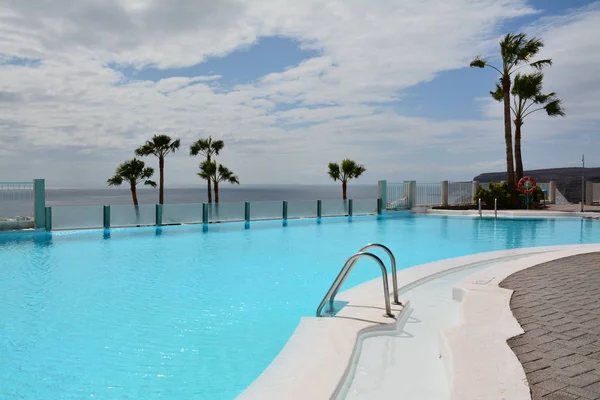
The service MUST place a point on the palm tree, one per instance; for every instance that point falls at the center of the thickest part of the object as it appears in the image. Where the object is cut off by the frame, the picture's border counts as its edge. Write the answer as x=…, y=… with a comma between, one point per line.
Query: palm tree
x=349, y=170
x=133, y=171
x=217, y=173
x=516, y=52
x=527, y=93
x=207, y=148
x=159, y=146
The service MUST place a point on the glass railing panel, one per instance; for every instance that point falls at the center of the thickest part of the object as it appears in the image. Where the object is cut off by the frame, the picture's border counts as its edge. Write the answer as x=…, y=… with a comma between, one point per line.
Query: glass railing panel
x=266, y=210
x=77, y=217
x=129, y=215
x=364, y=206
x=302, y=209
x=334, y=208
x=182, y=213
x=223, y=212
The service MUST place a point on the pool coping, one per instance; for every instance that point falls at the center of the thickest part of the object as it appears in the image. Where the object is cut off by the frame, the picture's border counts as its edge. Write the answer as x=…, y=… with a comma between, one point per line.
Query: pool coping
x=479, y=362
x=315, y=361
x=513, y=213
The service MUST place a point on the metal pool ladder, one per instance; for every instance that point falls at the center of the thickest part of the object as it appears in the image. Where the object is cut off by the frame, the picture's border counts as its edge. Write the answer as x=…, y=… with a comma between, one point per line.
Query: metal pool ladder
x=350, y=263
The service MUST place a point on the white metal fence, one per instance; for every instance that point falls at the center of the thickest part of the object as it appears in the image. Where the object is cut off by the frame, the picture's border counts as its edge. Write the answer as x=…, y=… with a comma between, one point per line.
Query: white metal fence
x=16, y=201
x=410, y=194
x=397, y=196
x=428, y=194
x=460, y=193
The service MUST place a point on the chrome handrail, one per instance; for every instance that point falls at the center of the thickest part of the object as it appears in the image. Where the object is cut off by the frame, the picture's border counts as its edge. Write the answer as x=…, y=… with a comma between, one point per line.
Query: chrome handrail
x=394, y=277
x=350, y=263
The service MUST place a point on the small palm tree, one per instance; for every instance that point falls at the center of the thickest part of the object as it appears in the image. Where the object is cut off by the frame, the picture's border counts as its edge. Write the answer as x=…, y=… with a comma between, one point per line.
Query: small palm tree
x=349, y=170
x=516, y=51
x=527, y=93
x=133, y=171
x=217, y=173
x=159, y=146
x=208, y=148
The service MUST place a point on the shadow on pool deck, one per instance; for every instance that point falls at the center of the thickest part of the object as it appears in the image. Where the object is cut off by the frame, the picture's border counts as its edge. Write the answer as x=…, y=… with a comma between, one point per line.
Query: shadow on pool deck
x=558, y=306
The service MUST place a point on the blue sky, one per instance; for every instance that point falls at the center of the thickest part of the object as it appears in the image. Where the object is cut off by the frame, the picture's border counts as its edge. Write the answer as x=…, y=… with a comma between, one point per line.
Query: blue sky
x=289, y=86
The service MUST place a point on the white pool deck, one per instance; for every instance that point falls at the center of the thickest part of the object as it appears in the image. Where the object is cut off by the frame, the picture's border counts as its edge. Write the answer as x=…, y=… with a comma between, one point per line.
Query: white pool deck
x=457, y=350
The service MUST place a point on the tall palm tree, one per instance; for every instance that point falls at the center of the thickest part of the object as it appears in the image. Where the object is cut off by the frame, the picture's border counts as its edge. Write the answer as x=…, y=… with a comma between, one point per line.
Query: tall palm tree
x=134, y=172
x=348, y=170
x=217, y=173
x=527, y=93
x=516, y=51
x=159, y=146
x=208, y=148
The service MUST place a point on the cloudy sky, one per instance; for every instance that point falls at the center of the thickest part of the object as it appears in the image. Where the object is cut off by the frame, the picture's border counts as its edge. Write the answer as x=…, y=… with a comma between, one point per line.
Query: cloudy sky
x=289, y=85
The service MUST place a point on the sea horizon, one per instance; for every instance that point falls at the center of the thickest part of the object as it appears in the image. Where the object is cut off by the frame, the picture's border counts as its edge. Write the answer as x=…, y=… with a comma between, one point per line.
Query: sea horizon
x=198, y=194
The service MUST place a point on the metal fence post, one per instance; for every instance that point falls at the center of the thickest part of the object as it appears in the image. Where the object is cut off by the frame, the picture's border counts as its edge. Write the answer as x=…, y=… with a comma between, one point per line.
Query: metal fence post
x=48, y=218
x=285, y=210
x=474, y=191
x=39, y=203
x=379, y=206
x=496, y=208
x=350, y=207
x=479, y=207
x=158, y=215
x=106, y=213
x=319, y=209
x=205, y=213
x=247, y=211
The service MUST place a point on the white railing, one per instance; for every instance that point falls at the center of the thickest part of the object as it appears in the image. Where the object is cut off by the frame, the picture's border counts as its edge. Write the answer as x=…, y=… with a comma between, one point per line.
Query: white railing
x=16, y=201
x=428, y=194
x=397, y=196
x=560, y=198
x=460, y=193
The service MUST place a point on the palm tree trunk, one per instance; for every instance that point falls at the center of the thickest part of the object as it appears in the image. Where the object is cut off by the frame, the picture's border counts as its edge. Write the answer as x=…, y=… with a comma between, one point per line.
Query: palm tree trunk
x=161, y=189
x=510, y=166
x=216, y=192
x=134, y=194
x=135, y=201
x=344, y=188
x=518, y=159
x=209, y=180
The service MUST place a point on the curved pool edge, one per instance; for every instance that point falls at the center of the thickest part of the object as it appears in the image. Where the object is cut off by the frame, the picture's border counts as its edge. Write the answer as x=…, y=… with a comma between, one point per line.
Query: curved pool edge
x=487, y=322
x=316, y=360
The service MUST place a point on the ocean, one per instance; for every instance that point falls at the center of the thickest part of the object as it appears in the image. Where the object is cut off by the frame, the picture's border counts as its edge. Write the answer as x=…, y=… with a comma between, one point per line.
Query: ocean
x=118, y=196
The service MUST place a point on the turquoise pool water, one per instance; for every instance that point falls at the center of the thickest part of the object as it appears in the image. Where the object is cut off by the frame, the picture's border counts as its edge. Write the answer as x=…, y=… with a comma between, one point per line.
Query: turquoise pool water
x=178, y=313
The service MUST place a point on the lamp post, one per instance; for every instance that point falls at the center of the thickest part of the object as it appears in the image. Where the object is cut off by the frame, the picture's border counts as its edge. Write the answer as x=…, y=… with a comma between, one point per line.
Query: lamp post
x=582, y=180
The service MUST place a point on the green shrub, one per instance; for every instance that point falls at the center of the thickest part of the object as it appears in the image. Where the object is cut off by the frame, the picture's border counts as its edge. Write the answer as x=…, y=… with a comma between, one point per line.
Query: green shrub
x=496, y=191
x=500, y=191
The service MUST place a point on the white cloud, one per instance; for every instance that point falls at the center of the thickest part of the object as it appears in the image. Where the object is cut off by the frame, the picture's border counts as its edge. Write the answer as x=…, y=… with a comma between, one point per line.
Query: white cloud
x=72, y=118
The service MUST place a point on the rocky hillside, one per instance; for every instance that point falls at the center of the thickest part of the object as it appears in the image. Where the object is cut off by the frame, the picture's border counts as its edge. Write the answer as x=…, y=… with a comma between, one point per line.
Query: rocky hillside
x=568, y=180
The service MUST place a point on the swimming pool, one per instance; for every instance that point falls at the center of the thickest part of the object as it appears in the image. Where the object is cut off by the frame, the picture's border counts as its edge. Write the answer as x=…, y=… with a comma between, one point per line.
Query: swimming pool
x=178, y=313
